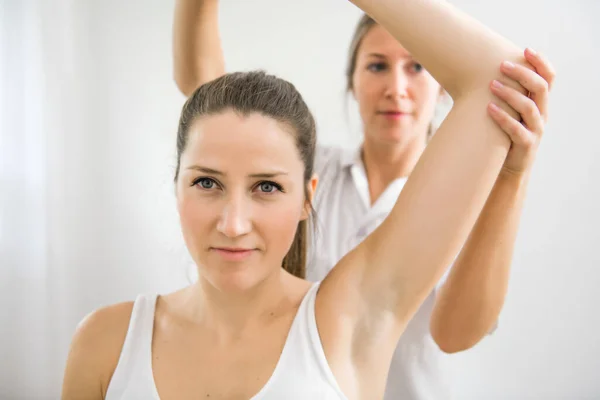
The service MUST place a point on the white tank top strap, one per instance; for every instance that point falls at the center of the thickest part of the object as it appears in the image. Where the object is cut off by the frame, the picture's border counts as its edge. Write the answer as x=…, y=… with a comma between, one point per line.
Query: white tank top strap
x=303, y=371
x=135, y=361
x=315, y=341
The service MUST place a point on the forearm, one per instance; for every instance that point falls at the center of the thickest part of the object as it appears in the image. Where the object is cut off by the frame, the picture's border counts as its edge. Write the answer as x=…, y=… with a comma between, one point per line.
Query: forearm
x=459, y=52
x=449, y=186
x=470, y=301
x=197, y=53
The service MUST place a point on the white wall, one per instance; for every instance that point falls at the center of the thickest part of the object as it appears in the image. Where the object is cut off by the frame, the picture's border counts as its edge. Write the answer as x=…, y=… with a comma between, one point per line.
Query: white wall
x=110, y=111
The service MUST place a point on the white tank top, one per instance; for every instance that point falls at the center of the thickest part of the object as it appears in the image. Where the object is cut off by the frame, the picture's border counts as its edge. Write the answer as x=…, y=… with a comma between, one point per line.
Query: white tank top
x=301, y=373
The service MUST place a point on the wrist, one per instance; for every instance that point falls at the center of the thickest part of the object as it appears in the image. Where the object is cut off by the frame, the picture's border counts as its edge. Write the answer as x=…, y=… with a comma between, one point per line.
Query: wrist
x=518, y=178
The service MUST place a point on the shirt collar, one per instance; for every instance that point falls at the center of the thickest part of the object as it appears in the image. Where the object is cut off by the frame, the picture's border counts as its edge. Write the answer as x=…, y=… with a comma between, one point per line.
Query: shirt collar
x=352, y=157
x=352, y=160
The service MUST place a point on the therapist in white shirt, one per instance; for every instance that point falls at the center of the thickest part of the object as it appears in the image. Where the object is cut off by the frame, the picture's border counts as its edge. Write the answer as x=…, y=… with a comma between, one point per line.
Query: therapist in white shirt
x=397, y=100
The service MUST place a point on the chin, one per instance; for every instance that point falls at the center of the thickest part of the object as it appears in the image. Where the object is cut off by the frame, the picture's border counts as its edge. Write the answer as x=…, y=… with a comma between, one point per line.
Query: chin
x=396, y=136
x=239, y=277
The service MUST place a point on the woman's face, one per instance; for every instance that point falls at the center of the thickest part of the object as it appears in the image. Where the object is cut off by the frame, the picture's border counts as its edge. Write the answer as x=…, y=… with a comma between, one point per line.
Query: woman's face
x=241, y=195
x=395, y=95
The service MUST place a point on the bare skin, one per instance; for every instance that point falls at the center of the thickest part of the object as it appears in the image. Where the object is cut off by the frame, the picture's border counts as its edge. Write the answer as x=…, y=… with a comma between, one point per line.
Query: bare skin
x=237, y=318
x=387, y=77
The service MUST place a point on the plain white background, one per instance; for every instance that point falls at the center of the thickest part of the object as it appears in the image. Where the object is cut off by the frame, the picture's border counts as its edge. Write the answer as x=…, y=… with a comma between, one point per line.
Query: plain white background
x=88, y=115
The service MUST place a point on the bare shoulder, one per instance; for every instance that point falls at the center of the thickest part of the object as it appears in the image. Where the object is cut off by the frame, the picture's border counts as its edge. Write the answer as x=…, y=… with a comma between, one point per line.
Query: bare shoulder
x=95, y=350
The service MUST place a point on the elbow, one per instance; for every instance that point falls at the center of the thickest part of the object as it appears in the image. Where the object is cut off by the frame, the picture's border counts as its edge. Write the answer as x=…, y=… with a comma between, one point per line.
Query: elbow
x=187, y=82
x=452, y=345
x=184, y=83
x=452, y=340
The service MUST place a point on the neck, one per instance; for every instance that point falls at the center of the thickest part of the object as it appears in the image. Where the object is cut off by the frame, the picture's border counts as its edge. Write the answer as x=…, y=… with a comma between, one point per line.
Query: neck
x=230, y=313
x=384, y=162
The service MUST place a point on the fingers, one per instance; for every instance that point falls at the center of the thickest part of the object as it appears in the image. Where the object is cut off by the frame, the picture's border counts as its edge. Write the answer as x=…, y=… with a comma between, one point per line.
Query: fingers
x=518, y=134
x=542, y=66
x=525, y=106
x=534, y=83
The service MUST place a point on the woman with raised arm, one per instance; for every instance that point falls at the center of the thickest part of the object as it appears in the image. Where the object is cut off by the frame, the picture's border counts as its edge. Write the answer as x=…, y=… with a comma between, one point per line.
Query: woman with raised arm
x=397, y=99
x=251, y=327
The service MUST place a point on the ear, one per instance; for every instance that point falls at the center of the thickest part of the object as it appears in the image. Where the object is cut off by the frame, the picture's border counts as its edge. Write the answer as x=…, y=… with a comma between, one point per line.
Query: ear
x=311, y=188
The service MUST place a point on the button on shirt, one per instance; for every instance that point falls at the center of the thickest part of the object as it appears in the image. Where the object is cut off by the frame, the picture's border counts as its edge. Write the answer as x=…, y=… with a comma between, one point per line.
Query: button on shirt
x=344, y=218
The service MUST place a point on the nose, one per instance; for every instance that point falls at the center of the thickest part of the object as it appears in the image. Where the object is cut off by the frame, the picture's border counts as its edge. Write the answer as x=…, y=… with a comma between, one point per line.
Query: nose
x=235, y=219
x=397, y=85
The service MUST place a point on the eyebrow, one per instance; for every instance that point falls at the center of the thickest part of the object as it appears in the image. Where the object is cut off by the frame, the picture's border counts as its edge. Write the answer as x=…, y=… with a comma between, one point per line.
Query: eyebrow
x=383, y=56
x=378, y=55
x=263, y=175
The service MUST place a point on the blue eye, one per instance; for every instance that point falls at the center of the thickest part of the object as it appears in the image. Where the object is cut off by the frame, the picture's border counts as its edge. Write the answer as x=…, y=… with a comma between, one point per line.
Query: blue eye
x=376, y=67
x=269, y=187
x=205, y=183
x=417, y=67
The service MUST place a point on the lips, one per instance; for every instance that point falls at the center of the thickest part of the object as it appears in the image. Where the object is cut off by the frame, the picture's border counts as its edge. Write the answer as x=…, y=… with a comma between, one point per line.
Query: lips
x=233, y=253
x=394, y=115
x=393, y=112
x=232, y=249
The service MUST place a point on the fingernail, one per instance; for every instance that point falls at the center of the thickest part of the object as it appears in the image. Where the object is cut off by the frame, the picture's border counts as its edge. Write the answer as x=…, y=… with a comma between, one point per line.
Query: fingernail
x=494, y=107
x=508, y=65
x=532, y=51
x=497, y=84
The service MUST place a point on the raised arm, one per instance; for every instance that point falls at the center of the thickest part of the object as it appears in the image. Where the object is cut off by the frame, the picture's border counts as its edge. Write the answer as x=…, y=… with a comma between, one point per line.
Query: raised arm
x=381, y=284
x=197, y=54
x=462, y=54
